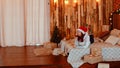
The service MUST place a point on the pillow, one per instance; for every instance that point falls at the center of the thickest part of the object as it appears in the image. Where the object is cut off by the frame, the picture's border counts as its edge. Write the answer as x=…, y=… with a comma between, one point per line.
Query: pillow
x=98, y=39
x=115, y=32
x=112, y=39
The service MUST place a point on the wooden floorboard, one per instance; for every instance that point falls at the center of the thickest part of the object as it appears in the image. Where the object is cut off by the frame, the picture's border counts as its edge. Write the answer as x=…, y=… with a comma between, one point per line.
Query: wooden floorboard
x=23, y=57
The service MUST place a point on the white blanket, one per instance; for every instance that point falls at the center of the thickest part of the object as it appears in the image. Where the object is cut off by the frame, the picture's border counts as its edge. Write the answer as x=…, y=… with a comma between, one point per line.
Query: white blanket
x=75, y=56
x=109, y=52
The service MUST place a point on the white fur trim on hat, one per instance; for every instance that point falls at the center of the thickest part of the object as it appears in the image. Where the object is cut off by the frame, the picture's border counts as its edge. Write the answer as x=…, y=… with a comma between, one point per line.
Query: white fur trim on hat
x=81, y=31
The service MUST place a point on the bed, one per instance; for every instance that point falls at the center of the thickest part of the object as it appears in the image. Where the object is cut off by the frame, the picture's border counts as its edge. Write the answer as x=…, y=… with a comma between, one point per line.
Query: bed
x=108, y=49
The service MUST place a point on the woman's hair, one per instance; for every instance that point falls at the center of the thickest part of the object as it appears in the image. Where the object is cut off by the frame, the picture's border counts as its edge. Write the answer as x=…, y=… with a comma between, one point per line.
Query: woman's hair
x=80, y=38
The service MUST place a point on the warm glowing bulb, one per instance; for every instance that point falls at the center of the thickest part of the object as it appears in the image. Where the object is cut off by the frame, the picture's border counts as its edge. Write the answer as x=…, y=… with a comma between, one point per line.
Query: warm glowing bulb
x=75, y=1
x=55, y=1
x=66, y=1
x=97, y=0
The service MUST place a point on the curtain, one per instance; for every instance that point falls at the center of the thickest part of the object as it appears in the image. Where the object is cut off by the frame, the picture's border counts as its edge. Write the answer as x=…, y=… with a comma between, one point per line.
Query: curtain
x=24, y=22
x=37, y=18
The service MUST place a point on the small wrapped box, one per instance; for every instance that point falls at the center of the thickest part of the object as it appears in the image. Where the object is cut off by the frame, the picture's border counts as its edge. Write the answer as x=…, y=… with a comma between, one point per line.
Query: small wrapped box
x=42, y=51
x=50, y=45
x=92, y=58
x=96, y=51
x=57, y=51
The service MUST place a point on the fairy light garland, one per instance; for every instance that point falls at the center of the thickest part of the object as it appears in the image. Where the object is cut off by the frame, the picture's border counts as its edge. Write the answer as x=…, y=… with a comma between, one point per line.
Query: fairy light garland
x=111, y=18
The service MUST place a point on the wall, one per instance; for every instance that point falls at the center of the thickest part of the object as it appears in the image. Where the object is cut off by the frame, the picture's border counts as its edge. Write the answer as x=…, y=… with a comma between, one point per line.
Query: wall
x=116, y=4
x=89, y=13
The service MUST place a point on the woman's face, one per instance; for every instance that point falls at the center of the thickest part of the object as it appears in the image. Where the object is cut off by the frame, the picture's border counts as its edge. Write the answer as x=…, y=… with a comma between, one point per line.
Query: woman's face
x=79, y=33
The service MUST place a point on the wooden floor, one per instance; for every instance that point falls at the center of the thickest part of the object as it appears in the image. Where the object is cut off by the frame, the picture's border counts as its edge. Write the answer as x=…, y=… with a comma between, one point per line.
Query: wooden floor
x=23, y=57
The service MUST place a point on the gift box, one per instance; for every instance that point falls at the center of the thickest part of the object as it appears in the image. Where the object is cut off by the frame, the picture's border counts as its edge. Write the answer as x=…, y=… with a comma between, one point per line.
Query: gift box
x=96, y=51
x=92, y=59
x=50, y=45
x=42, y=51
x=57, y=51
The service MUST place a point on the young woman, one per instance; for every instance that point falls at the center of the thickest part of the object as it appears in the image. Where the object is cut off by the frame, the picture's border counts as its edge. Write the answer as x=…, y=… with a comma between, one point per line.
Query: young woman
x=81, y=48
x=82, y=39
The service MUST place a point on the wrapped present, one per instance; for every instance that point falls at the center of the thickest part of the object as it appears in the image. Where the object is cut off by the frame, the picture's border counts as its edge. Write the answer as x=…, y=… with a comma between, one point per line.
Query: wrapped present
x=96, y=51
x=50, y=45
x=57, y=51
x=42, y=51
x=92, y=59
x=115, y=32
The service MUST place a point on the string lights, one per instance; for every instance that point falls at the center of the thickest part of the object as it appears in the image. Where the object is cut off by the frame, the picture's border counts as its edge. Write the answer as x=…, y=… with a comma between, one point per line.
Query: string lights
x=66, y=2
x=111, y=17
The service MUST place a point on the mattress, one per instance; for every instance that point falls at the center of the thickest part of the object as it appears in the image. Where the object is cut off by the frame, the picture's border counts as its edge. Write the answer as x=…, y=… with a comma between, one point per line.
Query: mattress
x=108, y=51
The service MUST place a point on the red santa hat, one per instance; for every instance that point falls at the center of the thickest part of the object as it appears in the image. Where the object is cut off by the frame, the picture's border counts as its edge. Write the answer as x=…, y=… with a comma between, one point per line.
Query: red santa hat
x=82, y=29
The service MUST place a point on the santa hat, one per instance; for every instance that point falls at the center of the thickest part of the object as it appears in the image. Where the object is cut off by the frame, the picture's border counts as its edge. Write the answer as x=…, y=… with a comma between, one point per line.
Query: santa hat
x=82, y=29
